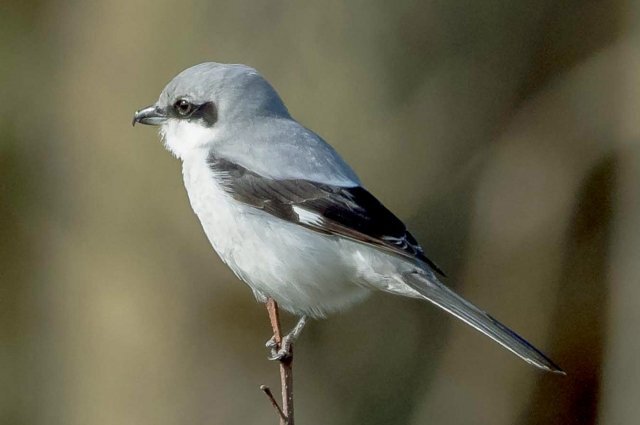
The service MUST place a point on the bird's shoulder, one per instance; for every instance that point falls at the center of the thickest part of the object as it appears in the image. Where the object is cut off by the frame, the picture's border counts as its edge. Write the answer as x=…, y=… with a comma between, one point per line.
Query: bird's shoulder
x=282, y=148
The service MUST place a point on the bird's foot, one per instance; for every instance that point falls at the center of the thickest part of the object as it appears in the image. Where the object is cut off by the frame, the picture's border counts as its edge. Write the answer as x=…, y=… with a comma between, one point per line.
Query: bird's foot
x=282, y=351
x=279, y=352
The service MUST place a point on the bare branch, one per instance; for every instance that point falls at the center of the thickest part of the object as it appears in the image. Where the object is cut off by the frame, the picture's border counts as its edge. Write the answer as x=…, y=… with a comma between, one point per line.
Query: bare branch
x=286, y=368
x=275, y=404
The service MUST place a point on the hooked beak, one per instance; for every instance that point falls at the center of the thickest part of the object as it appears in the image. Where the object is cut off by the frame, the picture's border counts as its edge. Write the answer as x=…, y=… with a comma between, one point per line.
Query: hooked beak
x=151, y=115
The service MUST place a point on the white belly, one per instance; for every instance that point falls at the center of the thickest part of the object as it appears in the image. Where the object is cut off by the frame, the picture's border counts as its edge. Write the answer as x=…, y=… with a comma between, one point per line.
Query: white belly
x=304, y=271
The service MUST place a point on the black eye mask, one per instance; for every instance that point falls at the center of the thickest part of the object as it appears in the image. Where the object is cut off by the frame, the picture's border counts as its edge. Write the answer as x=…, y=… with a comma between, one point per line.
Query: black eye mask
x=206, y=112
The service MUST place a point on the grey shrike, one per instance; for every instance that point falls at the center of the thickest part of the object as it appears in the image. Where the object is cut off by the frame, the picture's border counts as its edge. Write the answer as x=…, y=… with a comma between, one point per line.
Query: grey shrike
x=286, y=212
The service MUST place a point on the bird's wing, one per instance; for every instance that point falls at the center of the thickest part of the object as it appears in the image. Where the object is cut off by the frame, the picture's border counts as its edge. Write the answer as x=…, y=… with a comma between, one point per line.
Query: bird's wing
x=349, y=212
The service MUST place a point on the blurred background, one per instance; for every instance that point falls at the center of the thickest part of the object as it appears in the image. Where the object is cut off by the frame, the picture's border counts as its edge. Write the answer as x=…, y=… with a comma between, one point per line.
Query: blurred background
x=505, y=133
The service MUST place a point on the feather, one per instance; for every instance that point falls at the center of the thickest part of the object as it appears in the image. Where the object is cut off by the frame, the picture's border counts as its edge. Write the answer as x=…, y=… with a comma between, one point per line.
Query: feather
x=348, y=212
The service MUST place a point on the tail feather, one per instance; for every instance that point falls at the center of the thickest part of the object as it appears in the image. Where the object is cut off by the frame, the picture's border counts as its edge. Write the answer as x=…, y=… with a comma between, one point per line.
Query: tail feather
x=443, y=297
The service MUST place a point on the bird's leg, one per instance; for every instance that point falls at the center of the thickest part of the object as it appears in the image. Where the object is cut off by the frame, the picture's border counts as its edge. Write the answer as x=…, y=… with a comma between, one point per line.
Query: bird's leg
x=283, y=350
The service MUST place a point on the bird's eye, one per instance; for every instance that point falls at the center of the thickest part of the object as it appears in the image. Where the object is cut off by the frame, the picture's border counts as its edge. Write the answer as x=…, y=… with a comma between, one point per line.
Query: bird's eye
x=183, y=107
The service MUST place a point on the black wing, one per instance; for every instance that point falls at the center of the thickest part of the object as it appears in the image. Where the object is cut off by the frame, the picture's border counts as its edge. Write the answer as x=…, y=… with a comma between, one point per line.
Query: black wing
x=349, y=212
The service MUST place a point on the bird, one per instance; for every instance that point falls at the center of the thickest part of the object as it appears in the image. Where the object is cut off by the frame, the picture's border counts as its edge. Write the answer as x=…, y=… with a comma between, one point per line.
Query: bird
x=287, y=214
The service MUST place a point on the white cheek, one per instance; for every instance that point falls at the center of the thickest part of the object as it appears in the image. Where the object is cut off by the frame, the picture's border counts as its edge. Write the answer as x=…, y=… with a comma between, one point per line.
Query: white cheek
x=181, y=137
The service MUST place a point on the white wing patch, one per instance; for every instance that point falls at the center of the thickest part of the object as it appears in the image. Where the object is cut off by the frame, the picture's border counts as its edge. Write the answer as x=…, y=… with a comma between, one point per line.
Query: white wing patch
x=307, y=217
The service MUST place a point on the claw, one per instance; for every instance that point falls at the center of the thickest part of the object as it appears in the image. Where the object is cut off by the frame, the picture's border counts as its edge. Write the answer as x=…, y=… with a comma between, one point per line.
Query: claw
x=282, y=351
x=271, y=343
x=272, y=346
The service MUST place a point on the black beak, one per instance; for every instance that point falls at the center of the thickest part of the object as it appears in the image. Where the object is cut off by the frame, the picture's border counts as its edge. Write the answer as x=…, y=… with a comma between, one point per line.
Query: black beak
x=151, y=115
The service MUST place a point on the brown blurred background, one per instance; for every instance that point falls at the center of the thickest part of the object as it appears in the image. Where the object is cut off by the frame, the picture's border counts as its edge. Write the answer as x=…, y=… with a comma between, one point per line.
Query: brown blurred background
x=505, y=133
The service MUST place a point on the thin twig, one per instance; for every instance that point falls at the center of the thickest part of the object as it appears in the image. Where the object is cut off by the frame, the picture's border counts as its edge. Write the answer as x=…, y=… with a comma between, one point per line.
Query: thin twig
x=286, y=367
x=269, y=394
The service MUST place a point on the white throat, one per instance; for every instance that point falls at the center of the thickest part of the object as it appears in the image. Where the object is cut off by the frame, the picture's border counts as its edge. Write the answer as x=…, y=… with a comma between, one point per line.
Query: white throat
x=182, y=137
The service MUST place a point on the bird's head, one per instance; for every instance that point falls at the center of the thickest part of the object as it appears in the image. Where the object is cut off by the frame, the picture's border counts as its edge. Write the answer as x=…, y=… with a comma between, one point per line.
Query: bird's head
x=207, y=101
